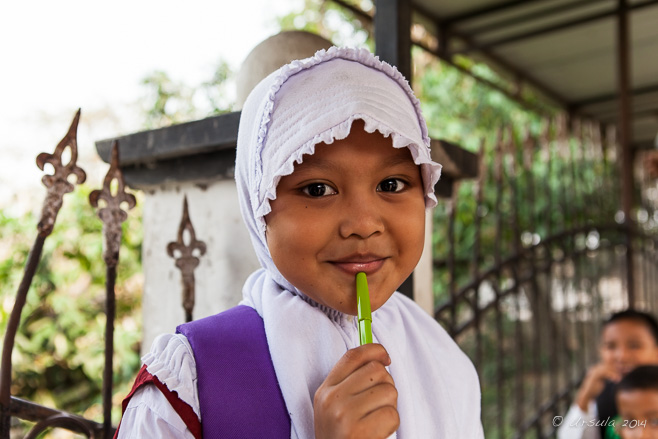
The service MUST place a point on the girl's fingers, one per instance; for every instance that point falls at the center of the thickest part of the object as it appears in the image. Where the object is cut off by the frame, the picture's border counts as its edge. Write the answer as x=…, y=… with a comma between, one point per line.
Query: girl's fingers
x=367, y=376
x=375, y=398
x=355, y=359
x=358, y=399
x=357, y=394
x=369, y=414
x=380, y=423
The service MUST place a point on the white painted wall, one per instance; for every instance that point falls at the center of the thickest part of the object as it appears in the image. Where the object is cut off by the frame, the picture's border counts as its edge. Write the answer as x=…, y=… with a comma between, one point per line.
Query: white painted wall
x=229, y=258
x=423, y=274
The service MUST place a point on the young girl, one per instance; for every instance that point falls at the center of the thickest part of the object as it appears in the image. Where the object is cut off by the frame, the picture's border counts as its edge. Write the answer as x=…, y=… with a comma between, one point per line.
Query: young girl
x=334, y=177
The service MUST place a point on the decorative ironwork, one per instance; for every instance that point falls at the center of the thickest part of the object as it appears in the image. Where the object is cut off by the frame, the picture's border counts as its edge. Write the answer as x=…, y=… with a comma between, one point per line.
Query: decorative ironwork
x=186, y=261
x=36, y=413
x=62, y=421
x=112, y=216
x=57, y=185
x=525, y=270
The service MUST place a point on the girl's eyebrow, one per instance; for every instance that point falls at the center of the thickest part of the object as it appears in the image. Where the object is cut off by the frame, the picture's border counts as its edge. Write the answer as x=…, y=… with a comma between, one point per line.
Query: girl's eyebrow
x=315, y=164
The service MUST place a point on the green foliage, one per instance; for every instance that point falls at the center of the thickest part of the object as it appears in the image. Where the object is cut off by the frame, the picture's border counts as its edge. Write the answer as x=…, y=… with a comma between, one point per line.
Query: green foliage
x=58, y=357
x=463, y=110
x=168, y=102
x=331, y=21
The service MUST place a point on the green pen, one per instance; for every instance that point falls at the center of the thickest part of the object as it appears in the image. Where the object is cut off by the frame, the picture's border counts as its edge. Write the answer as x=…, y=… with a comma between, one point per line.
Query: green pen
x=363, y=307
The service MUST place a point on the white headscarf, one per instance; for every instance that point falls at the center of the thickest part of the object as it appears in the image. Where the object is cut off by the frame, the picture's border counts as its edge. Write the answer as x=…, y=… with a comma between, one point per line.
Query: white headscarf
x=300, y=105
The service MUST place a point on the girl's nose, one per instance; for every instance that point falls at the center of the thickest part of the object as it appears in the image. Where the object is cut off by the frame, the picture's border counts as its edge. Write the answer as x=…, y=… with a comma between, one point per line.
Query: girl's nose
x=361, y=217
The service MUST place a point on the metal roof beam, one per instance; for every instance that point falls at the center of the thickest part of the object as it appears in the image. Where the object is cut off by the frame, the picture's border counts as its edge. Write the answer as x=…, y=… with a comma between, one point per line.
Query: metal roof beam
x=644, y=144
x=475, y=13
x=525, y=77
x=611, y=97
x=548, y=29
x=612, y=116
x=521, y=74
x=486, y=82
x=525, y=18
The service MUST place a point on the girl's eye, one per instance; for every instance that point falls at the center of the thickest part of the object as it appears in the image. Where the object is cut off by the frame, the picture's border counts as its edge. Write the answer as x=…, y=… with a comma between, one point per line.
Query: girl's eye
x=391, y=185
x=318, y=190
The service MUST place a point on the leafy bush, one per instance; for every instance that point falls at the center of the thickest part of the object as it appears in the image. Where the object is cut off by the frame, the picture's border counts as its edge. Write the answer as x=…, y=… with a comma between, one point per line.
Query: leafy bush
x=58, y=357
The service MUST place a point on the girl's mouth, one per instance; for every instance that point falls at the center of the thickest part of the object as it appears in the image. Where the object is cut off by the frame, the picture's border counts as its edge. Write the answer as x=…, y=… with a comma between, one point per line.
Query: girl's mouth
x=366, y=264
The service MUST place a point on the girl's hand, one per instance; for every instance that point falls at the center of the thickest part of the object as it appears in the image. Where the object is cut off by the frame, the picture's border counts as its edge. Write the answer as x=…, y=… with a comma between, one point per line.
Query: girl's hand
x=594, y=383
x=358, y=399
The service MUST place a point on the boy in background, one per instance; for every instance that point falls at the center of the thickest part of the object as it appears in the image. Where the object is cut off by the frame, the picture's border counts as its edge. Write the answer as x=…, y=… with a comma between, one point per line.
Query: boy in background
x=637, y=401
x=628, y=339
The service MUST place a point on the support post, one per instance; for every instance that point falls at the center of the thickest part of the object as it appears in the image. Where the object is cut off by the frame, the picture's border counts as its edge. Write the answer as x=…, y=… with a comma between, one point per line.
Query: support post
x=392, y=25
x=625, y=135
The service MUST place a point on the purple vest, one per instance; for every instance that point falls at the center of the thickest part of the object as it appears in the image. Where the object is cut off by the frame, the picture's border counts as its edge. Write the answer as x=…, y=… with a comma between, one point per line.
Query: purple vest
x=239, y=394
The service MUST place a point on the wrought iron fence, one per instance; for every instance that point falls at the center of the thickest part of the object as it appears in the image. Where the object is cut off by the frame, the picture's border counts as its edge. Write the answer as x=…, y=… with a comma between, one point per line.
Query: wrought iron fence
x=57, y=185
x=111, y=214
x=110, y=200
x=531, y=257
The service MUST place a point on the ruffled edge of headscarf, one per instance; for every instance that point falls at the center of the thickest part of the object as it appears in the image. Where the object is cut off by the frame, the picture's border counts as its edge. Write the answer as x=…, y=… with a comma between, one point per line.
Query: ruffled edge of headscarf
x=431, y=171
x=360, y=55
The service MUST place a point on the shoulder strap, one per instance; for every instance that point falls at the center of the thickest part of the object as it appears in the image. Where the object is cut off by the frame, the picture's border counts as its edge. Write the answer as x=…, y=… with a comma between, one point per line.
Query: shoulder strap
x=239, y=395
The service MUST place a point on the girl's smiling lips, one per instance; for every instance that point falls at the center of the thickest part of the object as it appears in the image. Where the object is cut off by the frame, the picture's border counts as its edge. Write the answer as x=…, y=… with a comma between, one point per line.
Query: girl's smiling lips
x=359, y=262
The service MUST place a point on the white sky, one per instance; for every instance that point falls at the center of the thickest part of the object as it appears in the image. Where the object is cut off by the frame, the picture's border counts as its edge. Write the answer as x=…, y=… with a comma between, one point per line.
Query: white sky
x=59, y=55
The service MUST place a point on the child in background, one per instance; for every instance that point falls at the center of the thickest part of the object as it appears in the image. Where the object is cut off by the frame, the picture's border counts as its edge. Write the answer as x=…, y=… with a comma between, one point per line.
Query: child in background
x=334, y=176
x=628, y=339
x=637, y=401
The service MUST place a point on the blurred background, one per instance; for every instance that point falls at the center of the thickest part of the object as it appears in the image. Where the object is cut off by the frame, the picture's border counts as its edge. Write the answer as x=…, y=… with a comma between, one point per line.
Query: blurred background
x=531, y=246
x=111, y=60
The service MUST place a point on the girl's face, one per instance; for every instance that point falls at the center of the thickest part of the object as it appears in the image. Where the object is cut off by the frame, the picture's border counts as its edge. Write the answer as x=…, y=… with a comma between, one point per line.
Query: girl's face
x=355, y=205
x=626, y=344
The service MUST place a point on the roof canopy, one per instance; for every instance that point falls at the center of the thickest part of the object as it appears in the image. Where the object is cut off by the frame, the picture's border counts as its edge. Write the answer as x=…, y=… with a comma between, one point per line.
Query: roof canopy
x=567, y=49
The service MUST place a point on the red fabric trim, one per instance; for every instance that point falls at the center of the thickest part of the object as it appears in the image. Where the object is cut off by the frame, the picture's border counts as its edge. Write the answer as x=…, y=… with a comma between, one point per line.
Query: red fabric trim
x=183, y=409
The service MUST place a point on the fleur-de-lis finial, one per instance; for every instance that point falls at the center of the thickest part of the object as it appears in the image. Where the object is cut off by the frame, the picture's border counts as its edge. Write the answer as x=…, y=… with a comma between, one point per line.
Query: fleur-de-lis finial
x=186, y=261
x=111, y=214
x=57, y=183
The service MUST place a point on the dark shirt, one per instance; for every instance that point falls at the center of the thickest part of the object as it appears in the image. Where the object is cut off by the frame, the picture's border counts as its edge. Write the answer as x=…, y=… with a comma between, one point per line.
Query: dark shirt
x=606, y=408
